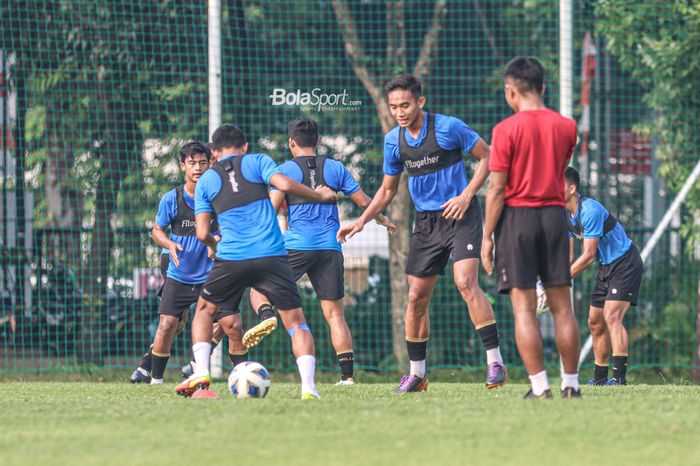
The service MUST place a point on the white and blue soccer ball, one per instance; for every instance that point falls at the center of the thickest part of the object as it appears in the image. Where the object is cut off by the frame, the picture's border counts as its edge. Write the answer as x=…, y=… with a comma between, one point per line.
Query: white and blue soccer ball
x=249, y=379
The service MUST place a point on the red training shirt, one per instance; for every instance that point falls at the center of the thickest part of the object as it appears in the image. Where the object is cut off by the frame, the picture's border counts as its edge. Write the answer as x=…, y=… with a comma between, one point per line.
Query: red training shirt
x=534, y=147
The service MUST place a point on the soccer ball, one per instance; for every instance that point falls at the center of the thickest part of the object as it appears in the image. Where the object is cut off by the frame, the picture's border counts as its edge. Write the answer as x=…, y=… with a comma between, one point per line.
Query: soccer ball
x=249, y=379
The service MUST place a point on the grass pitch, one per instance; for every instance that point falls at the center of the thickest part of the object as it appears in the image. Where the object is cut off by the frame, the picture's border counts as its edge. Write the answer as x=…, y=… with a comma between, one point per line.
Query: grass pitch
x=119, y=424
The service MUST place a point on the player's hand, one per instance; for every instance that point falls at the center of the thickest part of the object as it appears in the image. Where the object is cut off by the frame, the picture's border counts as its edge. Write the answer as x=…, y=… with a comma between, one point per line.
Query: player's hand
x=487, y=255
x=173, y=249
x=456, y=207
x=327, y=194
x=384, y=221
x=211, y=251
x=349, y=230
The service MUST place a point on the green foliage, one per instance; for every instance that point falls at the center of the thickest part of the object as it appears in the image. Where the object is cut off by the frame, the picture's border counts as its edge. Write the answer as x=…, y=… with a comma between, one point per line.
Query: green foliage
x=658, y=43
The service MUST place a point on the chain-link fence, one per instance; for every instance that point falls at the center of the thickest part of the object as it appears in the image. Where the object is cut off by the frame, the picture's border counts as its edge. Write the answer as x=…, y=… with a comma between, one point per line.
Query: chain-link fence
x=98, y=95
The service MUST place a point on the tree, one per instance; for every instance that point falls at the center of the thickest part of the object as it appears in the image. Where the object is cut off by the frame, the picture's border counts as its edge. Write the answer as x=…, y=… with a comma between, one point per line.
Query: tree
x=659, y=45
x=396, y=61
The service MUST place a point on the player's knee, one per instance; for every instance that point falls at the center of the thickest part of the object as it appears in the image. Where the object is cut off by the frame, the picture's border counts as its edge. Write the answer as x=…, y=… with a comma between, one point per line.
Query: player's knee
x=467, y=285
x=596, y=324
x=168, y=324
x=418, y=296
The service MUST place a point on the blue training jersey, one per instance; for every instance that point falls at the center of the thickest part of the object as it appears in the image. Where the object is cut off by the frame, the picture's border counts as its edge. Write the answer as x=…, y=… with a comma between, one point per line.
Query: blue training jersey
x=612, y=245
x=314, y=226
x=194, y=261
x=431, y=190
x=250, y=231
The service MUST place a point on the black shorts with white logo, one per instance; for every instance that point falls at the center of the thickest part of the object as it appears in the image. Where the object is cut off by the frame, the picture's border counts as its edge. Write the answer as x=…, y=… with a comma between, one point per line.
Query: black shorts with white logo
x=176, y=297
x=532, y=242
x=271, y=276
x=325, y=269
x=435, y=240
x=619, y=281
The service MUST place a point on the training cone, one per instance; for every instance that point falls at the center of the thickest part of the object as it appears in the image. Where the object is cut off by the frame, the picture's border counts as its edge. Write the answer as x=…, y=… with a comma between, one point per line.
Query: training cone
x=204, y=393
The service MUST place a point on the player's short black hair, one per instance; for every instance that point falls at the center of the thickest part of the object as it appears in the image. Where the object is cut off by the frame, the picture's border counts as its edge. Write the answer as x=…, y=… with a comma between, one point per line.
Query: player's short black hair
x=406, y=82
x=572, y=177
x=228, y=136
x=527, y=74
x=304, y=131
x=194, y=148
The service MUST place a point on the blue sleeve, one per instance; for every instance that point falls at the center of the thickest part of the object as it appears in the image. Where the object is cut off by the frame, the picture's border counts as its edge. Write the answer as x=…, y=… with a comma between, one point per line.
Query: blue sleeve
x=392, y=158
x=338, y=177
x=259, y=168
x=571, y=235
x=291, y=170
x=593, y=217
x=167, y=209
x=460, y=135
x=208, y=186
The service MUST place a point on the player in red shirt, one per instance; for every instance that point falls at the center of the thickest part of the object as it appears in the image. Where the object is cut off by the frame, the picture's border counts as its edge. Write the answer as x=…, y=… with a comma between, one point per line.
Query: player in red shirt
x=525, y=212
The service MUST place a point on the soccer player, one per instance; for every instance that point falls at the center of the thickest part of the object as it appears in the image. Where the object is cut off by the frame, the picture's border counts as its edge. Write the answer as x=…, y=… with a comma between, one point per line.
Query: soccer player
x=448, y=224
x=188, y=261
x=617, y=281
x=310, y=238
x=251, y=252
x=525, y=211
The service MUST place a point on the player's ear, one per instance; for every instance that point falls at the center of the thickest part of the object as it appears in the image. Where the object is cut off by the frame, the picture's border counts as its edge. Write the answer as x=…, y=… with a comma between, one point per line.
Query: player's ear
x=544, y=87
x=421, y=101
x=245, y=148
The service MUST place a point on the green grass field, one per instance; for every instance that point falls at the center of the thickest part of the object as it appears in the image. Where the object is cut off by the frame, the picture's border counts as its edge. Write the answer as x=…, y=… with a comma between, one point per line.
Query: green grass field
x=119, y=423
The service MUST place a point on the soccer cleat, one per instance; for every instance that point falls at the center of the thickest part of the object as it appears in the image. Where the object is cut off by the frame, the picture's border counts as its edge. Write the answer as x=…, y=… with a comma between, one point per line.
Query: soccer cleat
x=255, y=335
x=569, y=392
x=599, y=382
x=192, y=384
x=546, y=395
x=187, y=370
x=412, y=383
x=310, y=396
x=345, y=381
x=140, y=375
x=496, y=375
x=615, y=382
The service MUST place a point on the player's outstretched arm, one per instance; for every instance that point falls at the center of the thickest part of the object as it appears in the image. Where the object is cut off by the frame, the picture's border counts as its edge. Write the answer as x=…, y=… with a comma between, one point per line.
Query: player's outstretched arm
x=362, y=200
x=290, y=186
x=587, y=257
x=495, y=197
x=161, y=238
x=385, y=194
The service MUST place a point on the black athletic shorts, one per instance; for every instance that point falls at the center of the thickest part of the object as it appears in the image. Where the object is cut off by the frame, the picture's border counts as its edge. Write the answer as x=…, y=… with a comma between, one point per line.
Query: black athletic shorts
x=619, y=281
x=271, y=276
x=435, y=240
x=532, y=241
x=164, y=264
x=325, y=269
x=176, y=297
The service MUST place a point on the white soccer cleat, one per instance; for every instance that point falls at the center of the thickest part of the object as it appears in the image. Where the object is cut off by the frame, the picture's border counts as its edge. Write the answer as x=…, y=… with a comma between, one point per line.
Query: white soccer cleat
x=342, y=382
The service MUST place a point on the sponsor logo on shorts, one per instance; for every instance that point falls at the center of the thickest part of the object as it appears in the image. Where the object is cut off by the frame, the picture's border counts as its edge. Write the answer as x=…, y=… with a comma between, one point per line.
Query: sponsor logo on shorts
x=614, y=291
x=470, y=247
x=206, y=292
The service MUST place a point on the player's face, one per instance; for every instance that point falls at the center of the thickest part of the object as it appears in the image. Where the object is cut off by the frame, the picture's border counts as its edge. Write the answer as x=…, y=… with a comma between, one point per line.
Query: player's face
x=404, y=107
x=194, y=166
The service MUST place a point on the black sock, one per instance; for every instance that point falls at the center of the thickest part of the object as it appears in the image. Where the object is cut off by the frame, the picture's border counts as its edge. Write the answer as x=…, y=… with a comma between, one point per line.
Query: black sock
x=158, y=366
x=489, y=335
x=146, y=360
x=416, y=350
x=600, y=374
x=265, y=311
x=345, y=360
x=236, y=359
x=619, y=368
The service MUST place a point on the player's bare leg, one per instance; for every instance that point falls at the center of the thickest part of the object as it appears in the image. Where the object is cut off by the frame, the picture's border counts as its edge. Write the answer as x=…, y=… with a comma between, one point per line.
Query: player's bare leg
x=614, y=313
x=232, y=327
x=217, y=334
x=341, y=338
x=601, y=345
x=466, y=276
x=303, y=348
x=162, y=342
x=266, y=314
x=420, y=290
x=567, y=337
